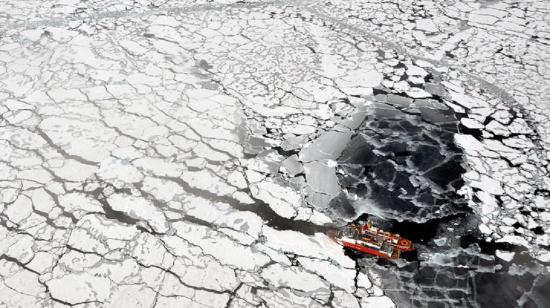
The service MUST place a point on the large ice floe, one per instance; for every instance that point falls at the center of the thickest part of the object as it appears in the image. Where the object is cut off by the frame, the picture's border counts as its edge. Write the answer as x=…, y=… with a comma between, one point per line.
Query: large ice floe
x=194, y=153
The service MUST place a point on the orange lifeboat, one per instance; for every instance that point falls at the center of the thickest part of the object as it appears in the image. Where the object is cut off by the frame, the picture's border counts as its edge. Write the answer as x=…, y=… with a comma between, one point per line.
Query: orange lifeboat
x=369, y=239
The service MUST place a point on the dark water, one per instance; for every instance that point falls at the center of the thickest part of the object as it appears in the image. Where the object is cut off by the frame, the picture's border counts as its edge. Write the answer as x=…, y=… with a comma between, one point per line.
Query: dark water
x=402, y=164
x=402, y=170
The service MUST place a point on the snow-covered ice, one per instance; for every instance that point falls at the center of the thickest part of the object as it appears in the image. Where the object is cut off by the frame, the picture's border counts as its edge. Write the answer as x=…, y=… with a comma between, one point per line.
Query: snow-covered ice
x=194, y=153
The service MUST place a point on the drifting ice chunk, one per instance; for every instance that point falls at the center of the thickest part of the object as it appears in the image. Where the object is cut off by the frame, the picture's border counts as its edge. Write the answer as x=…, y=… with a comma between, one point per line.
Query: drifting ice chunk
x=328, y=146
x=514, y=239
x=292, y=166
x=505, y=255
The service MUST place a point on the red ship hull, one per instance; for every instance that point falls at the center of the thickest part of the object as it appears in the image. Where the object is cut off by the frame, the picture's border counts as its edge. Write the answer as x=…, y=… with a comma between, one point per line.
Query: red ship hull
x=364, y=249
x=371, y=240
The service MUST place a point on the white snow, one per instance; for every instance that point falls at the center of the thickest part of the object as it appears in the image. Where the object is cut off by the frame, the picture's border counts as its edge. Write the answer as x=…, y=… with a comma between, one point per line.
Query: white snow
x=295, y=278
x=426, y=25
x=379, y=301
x=78, y=288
